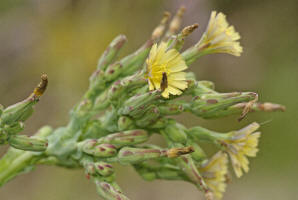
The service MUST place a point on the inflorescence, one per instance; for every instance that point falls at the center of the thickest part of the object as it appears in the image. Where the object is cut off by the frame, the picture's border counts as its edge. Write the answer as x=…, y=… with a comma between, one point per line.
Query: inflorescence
x=138, y=94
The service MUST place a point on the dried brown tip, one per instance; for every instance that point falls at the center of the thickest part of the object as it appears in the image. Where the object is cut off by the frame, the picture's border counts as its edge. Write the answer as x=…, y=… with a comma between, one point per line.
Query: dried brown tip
x=189, y=29
x=175, y=152
x=159, y=30
x=41, y=87
x=164, y=81
x=269, y=107
x=248, y=107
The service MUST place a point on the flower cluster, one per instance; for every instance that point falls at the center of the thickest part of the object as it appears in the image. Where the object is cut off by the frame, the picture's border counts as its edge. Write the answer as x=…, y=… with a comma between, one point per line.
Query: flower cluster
x=131, y=99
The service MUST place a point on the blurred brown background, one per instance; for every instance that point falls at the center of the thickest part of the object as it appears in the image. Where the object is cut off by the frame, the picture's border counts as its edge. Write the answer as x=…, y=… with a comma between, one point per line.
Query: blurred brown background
x=64, y=38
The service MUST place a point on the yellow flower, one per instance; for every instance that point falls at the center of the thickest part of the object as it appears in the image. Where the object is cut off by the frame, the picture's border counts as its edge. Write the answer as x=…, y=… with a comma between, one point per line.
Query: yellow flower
x=242, y=144
x=214, y=173
x=166, y=66
x=220, y=37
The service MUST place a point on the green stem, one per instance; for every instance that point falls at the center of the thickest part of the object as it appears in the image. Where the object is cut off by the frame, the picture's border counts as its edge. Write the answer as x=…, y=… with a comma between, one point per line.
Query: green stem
x=16, y=161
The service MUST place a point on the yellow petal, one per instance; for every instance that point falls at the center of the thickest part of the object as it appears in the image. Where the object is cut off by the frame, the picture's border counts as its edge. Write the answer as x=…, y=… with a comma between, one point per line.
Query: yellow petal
x=174, y=90
x=178, y=84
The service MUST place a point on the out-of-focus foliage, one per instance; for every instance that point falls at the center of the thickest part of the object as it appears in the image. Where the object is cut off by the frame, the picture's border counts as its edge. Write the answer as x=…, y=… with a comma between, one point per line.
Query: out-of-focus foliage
x=64, y=39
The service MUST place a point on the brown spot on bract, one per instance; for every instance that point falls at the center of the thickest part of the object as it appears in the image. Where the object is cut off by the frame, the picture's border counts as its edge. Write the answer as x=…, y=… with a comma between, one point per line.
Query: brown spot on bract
x=212, y=101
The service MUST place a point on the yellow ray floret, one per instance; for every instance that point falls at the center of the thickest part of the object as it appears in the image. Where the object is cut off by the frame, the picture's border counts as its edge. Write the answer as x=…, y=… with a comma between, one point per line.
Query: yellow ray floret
x=243, y=144
x=214, y=173
x=162, y=62
x=220, y=37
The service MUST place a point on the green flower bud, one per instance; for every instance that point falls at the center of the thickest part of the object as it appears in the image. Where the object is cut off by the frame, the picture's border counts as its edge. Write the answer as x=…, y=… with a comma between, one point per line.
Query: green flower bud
x=18, y=112
x=160, y=123
x=150, y=117
x=125, y=138
x=99, y=150
x=125, y=123
x=136, y=105
x=198, y=154
x=172, y=108
x=176, y=133
x=103, y=168
x=104, y=150
x=208, y=105
x=108, y=191
x=113, y=71
x=101, y=102
x=135, y=155
x=122, y=87
x=26, y=143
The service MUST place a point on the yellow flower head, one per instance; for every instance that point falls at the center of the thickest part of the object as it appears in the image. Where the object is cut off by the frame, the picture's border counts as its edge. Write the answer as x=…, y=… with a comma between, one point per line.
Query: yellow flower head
x=243, y=144
x=214, y=173
x=164, y=70
x=220, y=37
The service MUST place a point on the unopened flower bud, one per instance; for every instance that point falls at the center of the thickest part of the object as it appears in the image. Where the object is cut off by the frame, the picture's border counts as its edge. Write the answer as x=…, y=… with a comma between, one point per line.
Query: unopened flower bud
x=136, y=155
x=100, y=150
x=18, y=112
x=175, y=133
x=208, y=105
x=136, y=105
x=125, y=123
x=149, y=117
x=26, y=143
x=104, y=169
x=125, y=138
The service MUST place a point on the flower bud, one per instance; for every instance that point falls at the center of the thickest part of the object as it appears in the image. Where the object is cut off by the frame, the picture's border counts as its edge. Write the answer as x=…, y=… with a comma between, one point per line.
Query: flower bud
x=104, y=150
x=18, y=112
x=136, y=105
x=111, y=52
x=175, y=133
x=135, y=155
x=125, y=138
x=26, y=143
x=109, y=191
x=173, y=108
x=125, y=123
x=99, y=150
x=104, y=169
x=208, y=105
x=149, y=117
x=198, y=154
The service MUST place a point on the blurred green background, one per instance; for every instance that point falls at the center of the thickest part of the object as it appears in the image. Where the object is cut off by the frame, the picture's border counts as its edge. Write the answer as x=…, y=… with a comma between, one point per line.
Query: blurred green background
x=64, y=38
